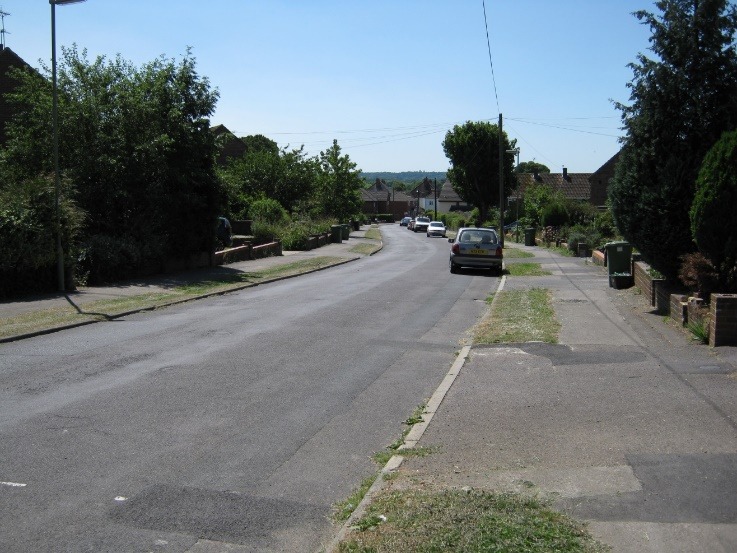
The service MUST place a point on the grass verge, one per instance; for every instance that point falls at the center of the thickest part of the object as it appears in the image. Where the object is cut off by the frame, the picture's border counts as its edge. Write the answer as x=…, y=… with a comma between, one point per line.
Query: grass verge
x=473, y=521
x=526, y=269
x=373, y=234
x=105, y=309
x=519, y=316
x=516, y=253
x=366, y=248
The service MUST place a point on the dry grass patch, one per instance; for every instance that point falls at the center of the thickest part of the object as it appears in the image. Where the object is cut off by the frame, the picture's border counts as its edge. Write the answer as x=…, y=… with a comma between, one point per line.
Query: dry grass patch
x=365, y=248
x=519, y=316
x=468, y=521
x=515, y=253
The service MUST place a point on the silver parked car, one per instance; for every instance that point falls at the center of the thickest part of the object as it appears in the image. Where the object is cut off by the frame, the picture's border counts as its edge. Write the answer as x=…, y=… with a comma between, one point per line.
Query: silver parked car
x=436, y=228
x=477, y=248
x=421, y=224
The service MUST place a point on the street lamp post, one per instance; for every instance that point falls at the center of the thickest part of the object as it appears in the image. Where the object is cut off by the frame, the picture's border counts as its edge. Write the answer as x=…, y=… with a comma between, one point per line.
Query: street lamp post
x=55, y=140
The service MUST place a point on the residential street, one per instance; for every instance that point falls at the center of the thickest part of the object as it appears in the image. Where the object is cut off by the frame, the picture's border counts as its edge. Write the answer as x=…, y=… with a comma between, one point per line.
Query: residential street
x=232, y=422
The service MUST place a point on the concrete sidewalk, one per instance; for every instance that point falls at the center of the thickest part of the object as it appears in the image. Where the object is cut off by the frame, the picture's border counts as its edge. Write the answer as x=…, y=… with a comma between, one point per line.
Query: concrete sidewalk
x=626, y=423
x=163, y=283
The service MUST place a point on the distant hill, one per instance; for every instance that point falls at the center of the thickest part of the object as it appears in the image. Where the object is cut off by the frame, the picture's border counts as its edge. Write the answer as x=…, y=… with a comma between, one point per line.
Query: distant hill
x=404, y=176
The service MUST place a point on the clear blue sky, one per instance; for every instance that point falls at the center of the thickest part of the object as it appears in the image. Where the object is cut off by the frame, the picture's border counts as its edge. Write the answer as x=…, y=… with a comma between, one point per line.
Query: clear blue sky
x=386, y=78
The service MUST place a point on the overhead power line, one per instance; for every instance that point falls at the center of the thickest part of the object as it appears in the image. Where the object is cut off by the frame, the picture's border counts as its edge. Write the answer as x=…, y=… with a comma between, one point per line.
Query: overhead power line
x=567, y=128
x=491, y=64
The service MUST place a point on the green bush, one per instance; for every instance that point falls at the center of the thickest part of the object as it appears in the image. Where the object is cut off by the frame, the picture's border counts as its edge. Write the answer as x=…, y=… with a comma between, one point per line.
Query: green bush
x=27, y=238
x=580, y=212
x=263, y=232
x=294, y=236
x=580, y=234
x=604, y=223
x=712, y=212
x=453, y=220
x=268, y=211
x=554, y=215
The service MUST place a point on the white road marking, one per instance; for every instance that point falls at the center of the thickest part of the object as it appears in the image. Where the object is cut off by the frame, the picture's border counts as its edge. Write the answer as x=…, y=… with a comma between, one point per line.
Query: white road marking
x=13, y=484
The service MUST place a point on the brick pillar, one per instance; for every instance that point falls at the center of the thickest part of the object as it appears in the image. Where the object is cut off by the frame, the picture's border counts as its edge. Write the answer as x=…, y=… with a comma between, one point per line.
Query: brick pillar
x=723, y=331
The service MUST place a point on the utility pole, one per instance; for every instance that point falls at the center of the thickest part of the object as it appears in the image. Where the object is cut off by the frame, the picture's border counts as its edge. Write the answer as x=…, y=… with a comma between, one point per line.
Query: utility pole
x=436, y=199
x=516, y=152
x=501, y=184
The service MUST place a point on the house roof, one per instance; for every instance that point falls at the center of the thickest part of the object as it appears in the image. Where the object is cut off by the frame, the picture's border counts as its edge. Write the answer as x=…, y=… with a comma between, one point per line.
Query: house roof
x=379, y=186
x=373, y=195
x=232, y=145
x=8, y=59
x=448, y=193
x=574, y=186
x=607, y=168
x=426, y=189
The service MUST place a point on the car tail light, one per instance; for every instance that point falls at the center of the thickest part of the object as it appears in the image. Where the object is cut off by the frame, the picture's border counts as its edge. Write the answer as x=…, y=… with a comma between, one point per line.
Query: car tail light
x=456, y=248
x=499, y=252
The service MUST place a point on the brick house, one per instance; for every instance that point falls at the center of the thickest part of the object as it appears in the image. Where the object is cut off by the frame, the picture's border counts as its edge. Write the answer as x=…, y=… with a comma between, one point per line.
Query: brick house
x=232, y=146
x=600, y=181
x=379, y=198
x=574, y=186
x=585, y=187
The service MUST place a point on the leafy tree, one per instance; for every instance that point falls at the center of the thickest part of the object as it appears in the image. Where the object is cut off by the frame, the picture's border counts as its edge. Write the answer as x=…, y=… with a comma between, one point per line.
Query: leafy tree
x=285, y=176
x=259, y=143
x=537, y=197
x=714, y=207
x=681, y=102
x=473, y=151
x=338, y=186
x=137, y=146
x=531, y=167
x=398, y=185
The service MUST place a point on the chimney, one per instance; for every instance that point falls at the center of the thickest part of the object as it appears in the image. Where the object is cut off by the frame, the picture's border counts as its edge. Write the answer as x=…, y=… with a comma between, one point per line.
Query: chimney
x=565, y=174
x=536, y=174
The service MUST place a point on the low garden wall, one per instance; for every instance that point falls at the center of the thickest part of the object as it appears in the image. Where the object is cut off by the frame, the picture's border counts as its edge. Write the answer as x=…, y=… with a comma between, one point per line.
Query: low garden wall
x=723, y=315
x=245, y=253
x=598, y=258
x=654, y=289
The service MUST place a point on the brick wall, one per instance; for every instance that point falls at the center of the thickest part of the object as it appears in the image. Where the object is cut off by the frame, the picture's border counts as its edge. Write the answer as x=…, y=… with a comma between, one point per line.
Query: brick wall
x=679, y=308
x=643, y=280
x=661, y=296
x=723, y=328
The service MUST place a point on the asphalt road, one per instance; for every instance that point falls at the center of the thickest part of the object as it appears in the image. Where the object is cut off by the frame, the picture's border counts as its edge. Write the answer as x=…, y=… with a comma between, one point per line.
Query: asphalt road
x=239, y=419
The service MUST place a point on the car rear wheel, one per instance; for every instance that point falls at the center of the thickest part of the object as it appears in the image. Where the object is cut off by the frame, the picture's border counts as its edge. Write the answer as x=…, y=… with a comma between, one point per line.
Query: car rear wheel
x=453, y=268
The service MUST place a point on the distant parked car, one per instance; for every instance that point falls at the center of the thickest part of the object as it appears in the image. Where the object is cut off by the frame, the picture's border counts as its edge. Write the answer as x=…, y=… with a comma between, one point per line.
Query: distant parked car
x=411, y=224
x=421, y=224
x=436, y=228
x=477, y=248
x=405, y=221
